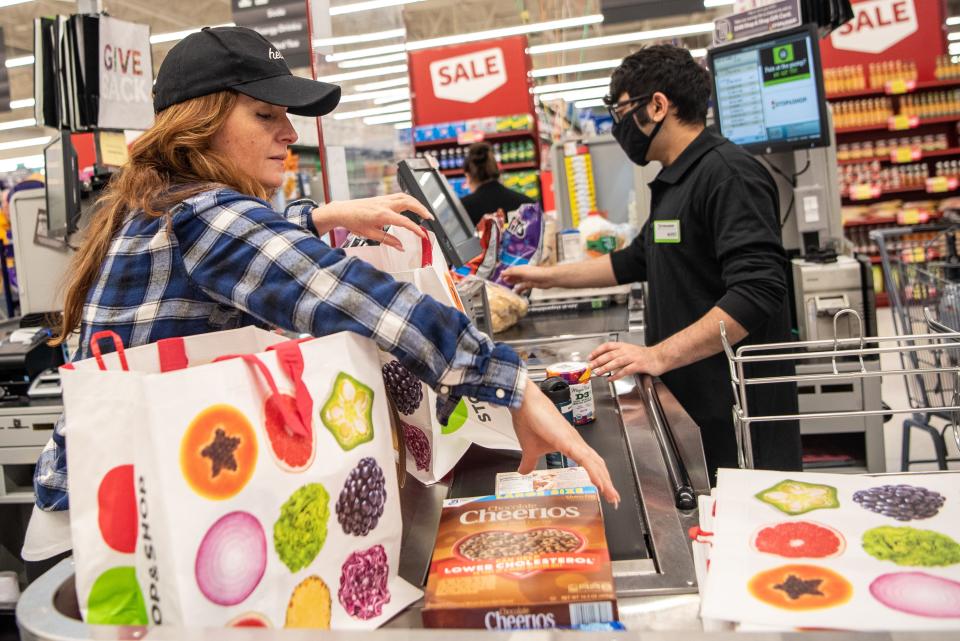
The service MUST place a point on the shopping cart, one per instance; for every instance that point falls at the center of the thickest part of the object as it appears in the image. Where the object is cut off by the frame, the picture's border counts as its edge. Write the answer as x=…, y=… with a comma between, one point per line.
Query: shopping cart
x=924, y=295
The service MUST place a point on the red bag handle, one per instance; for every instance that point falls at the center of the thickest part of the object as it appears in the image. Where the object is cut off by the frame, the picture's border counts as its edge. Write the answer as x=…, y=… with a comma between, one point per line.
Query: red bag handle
x=426, y=251
x=172, y=353
x=290, y=360
x=291, y=418
x=117, y=346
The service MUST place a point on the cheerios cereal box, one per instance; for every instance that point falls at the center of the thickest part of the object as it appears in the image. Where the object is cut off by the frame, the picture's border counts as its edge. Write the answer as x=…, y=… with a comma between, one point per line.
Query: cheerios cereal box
x=532, y=561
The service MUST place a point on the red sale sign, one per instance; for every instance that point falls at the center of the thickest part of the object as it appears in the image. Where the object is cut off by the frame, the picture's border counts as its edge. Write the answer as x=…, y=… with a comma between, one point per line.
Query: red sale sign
x=475, y=80
x=889, y=30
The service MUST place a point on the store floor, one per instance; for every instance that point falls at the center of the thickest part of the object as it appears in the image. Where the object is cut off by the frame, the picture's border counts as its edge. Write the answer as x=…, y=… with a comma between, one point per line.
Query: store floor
x=895, y=395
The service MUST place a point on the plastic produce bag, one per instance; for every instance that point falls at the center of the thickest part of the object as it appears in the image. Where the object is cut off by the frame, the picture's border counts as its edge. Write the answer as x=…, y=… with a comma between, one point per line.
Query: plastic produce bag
x=506, y=307
x=198, y=496
x=522, y=242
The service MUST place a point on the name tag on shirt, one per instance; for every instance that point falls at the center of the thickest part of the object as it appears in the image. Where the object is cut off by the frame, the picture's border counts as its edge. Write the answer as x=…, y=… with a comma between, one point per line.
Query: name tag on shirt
x=666, y=231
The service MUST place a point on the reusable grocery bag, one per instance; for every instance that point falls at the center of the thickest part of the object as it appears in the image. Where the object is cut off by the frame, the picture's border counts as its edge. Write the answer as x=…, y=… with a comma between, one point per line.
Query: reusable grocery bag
x=238, y=521
x=432, y=448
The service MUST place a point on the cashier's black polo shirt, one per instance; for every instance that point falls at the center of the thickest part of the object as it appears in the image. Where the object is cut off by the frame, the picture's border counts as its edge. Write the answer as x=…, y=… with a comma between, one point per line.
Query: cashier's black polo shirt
x=713, y=239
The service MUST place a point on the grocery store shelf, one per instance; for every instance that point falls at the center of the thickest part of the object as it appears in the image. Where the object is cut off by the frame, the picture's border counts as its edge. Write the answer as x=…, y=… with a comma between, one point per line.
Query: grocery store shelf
x=883, y=300
x=884, y=127
x=452, y=142
x=924, y=155
x=920, y=86
x=902, y=190
x=510, y=166
x=870, y=220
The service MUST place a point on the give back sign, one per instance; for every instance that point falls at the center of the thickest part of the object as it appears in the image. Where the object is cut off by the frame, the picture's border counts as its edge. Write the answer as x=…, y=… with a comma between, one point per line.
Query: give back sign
x=473, y=80
x=126, y=75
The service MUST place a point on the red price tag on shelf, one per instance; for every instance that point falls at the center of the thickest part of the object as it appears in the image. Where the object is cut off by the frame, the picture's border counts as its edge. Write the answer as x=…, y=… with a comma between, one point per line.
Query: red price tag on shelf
x=905, y=154
x=894, y=87
x=941, y=184
x=469, y=137
x=863, y=192
x=901, y=122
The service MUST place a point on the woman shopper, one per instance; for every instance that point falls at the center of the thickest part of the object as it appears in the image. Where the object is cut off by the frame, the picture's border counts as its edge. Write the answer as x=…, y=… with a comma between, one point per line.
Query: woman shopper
x=487, y=193
x=183, y=243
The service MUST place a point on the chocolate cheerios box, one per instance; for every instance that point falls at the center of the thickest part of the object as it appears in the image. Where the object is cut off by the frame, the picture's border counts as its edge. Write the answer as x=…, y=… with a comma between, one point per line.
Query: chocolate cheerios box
x=534, y=561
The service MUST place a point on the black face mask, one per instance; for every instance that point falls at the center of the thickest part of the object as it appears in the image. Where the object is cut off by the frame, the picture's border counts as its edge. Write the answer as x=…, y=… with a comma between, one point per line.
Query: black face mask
x=633, y=141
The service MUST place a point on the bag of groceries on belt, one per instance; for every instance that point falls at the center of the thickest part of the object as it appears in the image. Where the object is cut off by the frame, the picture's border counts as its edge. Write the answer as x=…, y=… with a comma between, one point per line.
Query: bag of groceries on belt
x=432, y=448
x=198, y=497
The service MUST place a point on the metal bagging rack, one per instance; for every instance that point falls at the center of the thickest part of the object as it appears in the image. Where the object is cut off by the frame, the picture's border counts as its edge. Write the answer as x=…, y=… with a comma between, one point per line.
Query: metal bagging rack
x=929, y=349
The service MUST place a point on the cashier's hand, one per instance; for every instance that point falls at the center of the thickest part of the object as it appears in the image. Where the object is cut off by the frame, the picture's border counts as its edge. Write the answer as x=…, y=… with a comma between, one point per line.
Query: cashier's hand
x=527, y=277
x=542, y=429
x=367, y=217
x=625, y=359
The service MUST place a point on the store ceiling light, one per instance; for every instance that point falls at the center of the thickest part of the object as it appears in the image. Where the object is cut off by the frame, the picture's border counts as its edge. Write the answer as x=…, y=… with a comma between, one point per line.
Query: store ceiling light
x=10, y=3
x=30, y=162
x=383, y=84
x=710, y=4
x=376, y=60
x=386, y=100
x=373, y=111
x=24, y=142
x=388, y=118
x=406, y=124
x=22, y=61
x=584, y=66
x=370, y=5
x=535, y=27
x=698, y=53
x=180, y=35
x=360, y=37
x=576, y=84
x=364, y=53
x=954, y=35
x=588, y=104
x=574, y=96
x=953, y=21
x=18, y=124
x=364, y=73
x=371, y=95
x=22, y=103
x=954, y=48
x=623, y=38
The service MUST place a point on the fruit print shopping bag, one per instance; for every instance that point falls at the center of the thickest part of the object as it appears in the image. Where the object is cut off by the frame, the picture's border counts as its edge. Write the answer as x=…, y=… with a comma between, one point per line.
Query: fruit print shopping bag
x=432, y=448
x=276, y=536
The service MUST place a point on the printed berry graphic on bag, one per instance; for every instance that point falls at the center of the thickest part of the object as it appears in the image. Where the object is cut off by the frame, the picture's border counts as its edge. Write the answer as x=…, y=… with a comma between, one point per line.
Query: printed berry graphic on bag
x=363, y=583
x=901, y=502
x=798, y=497
x=291, y=451
x=348, y=412
x=362, y=498
x=418, y=445
x=301, y=530
x=231, y=559
x=218, y=452
x=405, y=389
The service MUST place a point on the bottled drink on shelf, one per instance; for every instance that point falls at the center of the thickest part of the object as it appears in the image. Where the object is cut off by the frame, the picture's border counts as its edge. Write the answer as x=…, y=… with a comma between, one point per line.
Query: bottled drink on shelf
x=947, y=68
x=498, y=153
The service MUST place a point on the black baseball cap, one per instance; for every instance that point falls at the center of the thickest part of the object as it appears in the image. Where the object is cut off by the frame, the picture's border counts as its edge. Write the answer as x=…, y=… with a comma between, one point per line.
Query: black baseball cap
x=237, y=58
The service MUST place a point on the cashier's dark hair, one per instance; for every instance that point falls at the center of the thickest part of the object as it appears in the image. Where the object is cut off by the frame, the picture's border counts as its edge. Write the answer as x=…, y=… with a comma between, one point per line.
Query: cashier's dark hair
x=170, y=162
x=481, y=163
x=667, y=69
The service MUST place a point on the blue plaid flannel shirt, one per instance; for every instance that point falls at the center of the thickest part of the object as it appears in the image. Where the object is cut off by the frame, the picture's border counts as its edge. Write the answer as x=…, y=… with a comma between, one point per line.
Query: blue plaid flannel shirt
x=228, y=260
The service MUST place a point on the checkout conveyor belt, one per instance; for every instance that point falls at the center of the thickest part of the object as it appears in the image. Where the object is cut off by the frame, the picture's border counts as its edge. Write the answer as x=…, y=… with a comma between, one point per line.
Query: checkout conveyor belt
x=625, y=527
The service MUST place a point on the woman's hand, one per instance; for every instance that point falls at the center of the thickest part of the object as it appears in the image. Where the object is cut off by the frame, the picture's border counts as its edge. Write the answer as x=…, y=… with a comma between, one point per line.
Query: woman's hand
x=541, y=429
x=367, y=217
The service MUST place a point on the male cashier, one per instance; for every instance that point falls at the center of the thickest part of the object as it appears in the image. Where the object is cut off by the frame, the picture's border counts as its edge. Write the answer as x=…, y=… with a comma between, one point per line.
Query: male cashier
x=710, y=251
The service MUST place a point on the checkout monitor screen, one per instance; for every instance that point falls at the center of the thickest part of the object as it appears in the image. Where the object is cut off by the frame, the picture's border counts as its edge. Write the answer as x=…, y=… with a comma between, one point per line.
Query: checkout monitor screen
x=769, y=92
x=62, y=187
x=443, y=207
